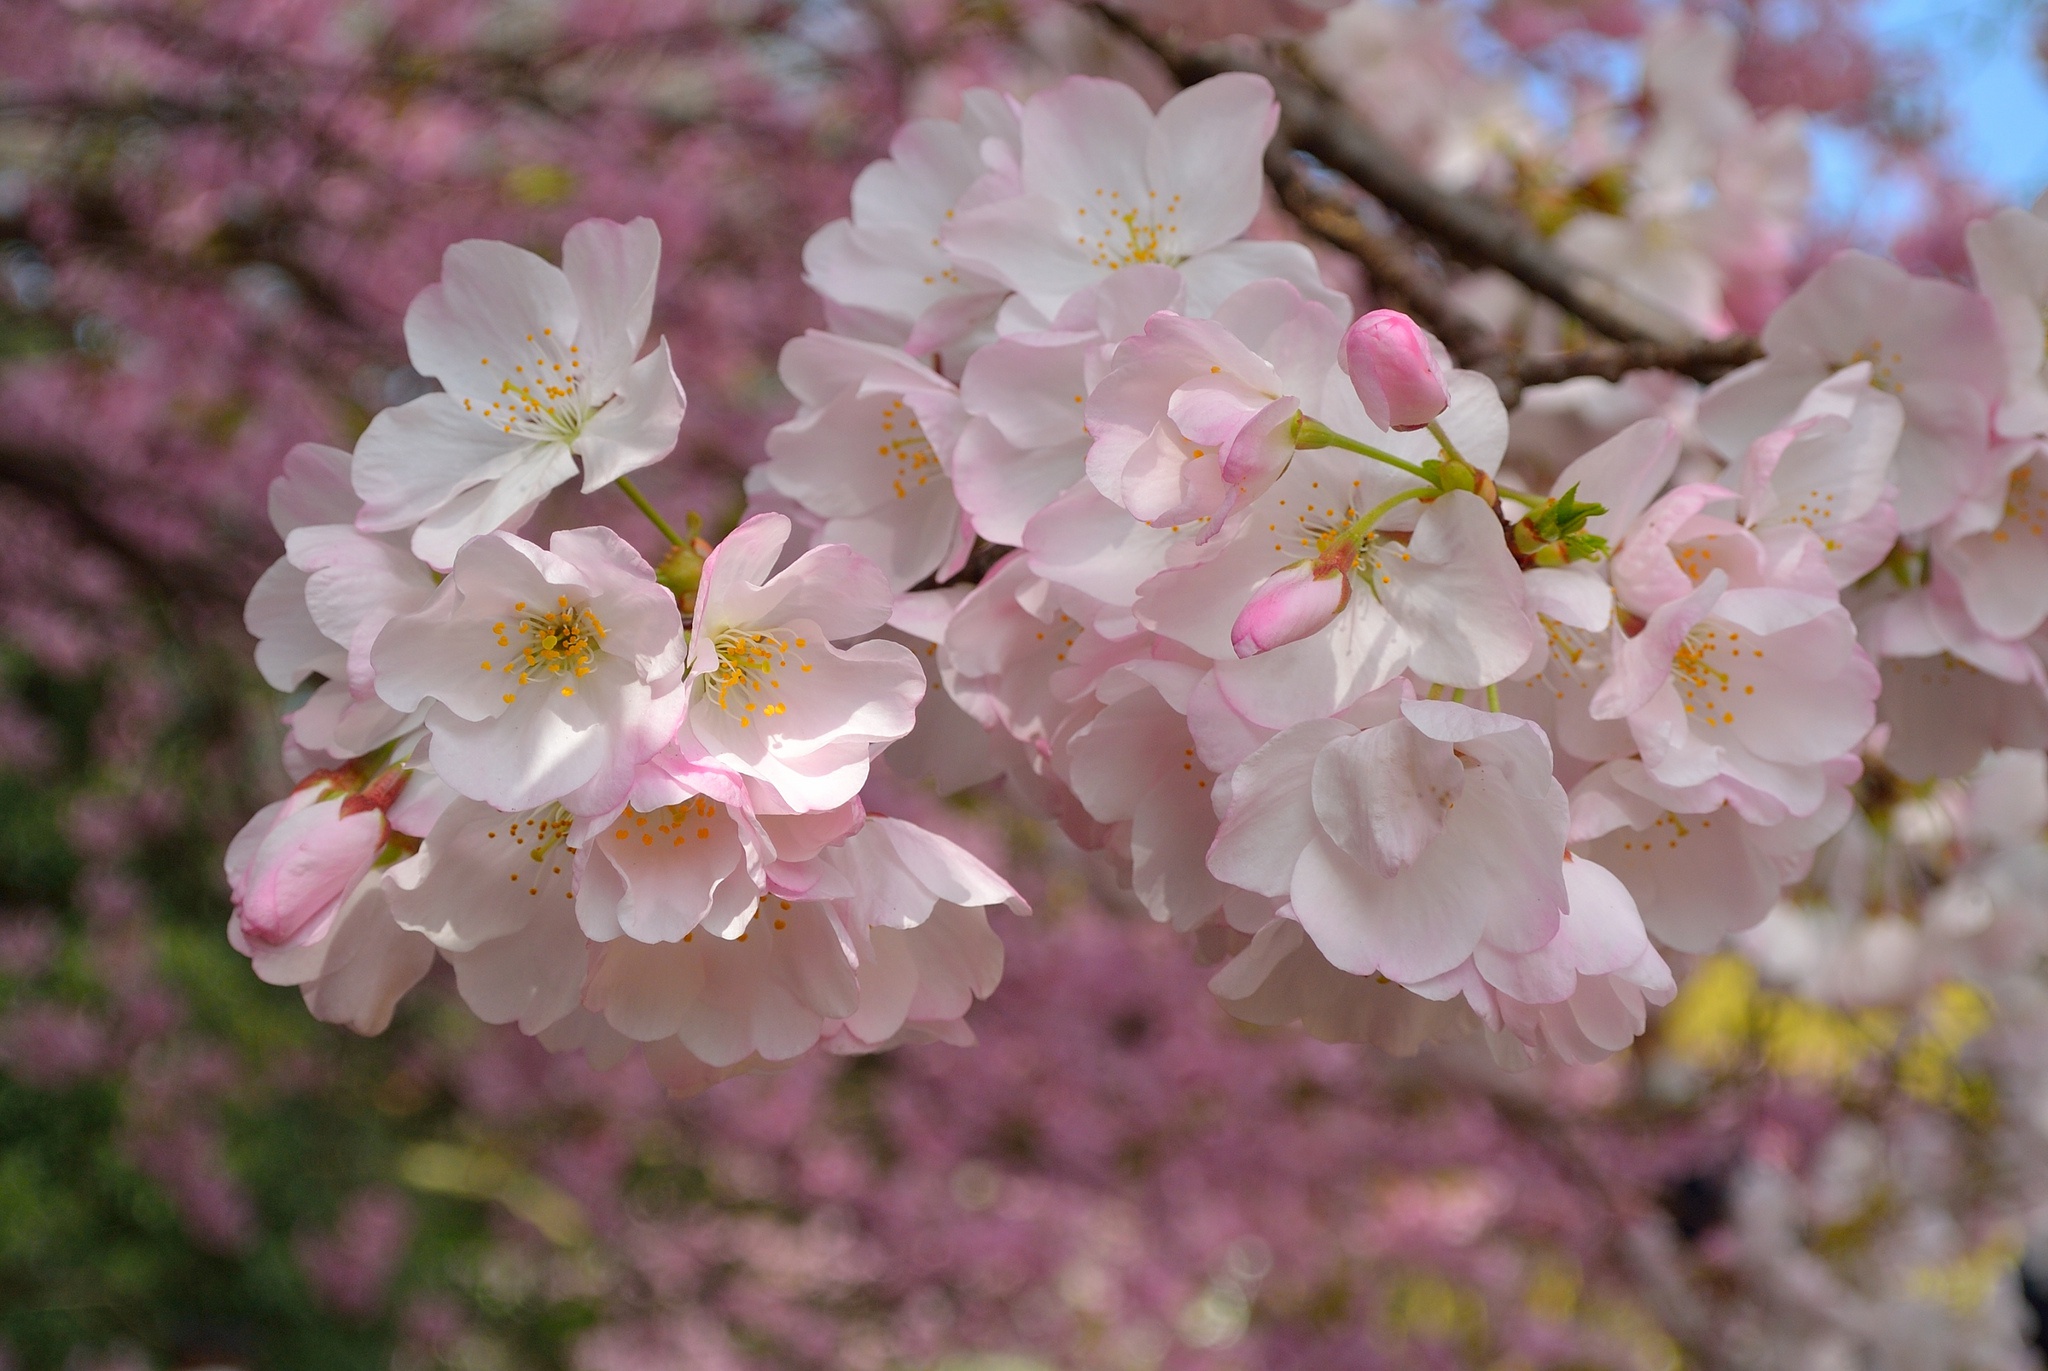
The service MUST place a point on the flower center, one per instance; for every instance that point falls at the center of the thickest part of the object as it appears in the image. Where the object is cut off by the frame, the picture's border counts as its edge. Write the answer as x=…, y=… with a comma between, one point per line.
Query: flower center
x=563, y=641
x=2026, y=506
x=1880, y=365
x=539, y=396
x=528, y=844
x=1129, y=235
x=750, y=667
x=1705, y=684
x=903, y=440
x=674, y=824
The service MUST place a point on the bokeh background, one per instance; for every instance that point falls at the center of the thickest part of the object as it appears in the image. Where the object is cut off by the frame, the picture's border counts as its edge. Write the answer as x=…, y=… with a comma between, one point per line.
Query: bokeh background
x=212, y=216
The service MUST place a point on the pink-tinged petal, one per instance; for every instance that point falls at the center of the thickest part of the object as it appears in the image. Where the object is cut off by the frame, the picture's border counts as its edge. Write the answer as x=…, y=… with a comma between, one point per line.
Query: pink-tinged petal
x=1030, y=390
x=611, y=270
x=1083, y=136
x=1394, y=370
x=1577, y=596
x=949, y=871
x=1457, y=591
x=1024, y=243
x=1209, y=410
x=302, y=868
x=1271, y=817
x=1642, y=664
x=289, y=643
x=1261, y=449
x=314, y=489
x=416, y=456
x=532, y=977
x=369, y=964
x=1383, y=795
x=1204, y=158
x=637, y=427
x=1214, y=278
x=1646, y=573
x=472, y=327
x=1291, y=604
x=1623, y=474
x=535, y=751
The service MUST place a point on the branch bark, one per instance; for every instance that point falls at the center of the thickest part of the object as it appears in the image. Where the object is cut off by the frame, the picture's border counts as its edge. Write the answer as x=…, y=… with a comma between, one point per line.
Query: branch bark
x=1704, y=360
x=1317, y=123
x=1401, y=278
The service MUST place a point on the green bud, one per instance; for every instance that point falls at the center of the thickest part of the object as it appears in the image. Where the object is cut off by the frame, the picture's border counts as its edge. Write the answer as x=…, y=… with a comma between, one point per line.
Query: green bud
x=683, y=568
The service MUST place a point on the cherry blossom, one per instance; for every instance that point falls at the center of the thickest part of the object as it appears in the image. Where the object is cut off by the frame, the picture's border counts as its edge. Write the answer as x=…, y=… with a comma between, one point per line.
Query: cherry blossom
x=1108, y=184
x=1400, y=845
x=769, y=694
x=550, y=673
x=883, y=271
x=1760, y=686
x=538, y=368
x=1932, y=344
x=869, y=450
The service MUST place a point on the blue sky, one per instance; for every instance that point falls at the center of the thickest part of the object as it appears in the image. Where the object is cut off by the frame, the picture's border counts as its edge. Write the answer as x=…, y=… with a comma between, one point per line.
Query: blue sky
x=1994, y=88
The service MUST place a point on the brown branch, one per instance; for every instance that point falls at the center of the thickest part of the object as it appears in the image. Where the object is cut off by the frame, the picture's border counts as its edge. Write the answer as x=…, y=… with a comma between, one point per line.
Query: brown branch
x=1704, y=361
x=1313, y=121
x=1399, y=277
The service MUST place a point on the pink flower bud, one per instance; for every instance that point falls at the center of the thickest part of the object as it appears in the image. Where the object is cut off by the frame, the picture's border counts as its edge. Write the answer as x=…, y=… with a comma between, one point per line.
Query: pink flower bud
x=1394, y=371
x=295, y=861
x=1292, y=603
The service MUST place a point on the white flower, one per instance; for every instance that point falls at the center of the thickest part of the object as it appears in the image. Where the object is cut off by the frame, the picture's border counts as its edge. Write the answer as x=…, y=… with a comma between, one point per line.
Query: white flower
x=548, y=670
x=1698, y=868
x=537, y=369
x=884, y=273
x=1931, y=343
x=495, y=893
x=1108, y=184
x=769, y=695
x=1401, y=845
x=869, y=452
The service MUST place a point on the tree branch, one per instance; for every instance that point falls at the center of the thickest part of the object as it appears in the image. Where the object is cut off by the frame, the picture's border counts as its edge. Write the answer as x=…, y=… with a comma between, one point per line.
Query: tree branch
x=1703, y=360
x=1315, y=122
x=1397, y=274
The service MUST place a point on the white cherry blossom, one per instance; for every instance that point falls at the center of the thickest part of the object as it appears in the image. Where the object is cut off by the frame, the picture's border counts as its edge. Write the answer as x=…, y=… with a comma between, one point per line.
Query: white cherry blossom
x=1401, y=845
x=869, y=451
x=549, y=673
x=884, y=273
x=769, y=694
x=1108, y=184
x=538, y=370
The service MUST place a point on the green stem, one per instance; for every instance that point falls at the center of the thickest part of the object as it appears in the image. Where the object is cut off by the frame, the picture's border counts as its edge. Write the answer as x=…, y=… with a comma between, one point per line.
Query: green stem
x=1443, y=440
x=1493, y=698
x=1521, y=497
x=1312, y=434
x=632, y=492
x=1458, y=696
x=1364, y=523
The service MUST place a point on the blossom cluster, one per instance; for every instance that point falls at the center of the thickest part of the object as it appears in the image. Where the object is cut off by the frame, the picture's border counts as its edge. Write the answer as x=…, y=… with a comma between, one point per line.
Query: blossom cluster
x=1280, y=627
x=623, y=803
x=1242, y=589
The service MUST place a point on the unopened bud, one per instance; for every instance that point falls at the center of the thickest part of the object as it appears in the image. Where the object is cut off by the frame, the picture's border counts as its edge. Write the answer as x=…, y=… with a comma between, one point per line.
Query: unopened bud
x=1394, y=371
x=683, y=568
x=1293, y=602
